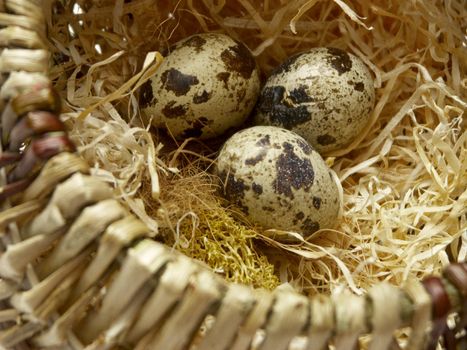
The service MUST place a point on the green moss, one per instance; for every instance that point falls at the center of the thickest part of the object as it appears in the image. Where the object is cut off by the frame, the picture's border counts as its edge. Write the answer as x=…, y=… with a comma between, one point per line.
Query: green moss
x=227, y=246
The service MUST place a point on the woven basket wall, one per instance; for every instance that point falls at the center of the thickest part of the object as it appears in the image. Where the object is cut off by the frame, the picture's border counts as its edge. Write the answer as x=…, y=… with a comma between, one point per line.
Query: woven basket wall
x=79, y=270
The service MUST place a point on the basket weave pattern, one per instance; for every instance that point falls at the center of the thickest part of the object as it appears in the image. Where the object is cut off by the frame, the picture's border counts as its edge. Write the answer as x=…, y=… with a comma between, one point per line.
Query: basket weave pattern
x=69, y=281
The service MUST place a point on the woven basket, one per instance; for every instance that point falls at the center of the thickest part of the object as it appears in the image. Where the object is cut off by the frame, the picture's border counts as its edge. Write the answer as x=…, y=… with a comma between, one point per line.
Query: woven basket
x=69, y=281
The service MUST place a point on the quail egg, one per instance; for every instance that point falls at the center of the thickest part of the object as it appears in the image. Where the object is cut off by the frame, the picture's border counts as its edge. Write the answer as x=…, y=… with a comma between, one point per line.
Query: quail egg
x=208, y=84
x=278, y=180
x=325, y=95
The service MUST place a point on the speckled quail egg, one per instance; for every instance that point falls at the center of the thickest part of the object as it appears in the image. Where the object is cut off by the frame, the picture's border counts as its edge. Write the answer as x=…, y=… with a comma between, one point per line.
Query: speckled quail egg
x=209, y=83
x=325, y=95
x=278, y=180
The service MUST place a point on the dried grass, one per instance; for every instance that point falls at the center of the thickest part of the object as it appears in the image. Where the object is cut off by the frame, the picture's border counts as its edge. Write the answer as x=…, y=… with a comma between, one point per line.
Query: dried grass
x=404, y=179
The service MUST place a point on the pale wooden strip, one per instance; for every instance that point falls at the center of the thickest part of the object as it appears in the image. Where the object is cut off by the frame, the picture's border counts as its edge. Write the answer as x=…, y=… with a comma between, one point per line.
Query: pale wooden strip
x=54, y=171
x=321, y=322
x=78, y=191
x=421, y=320
x=203, y=292
x=115, y=334
x=235, y=307
x=25, y=8
x=168, y=292
x=7, y=289
x=8, y=119
x=350, y=315
x=67, y=202
x=58, y=297
x=9, y=315
x=27, y=22
x=118, y=235
x=255, y=320
x=386, y=318
x=47, y=222
x=29, y=300
x=16, y=334
x=86, y=228
x=56, y=335
x=143, y=343
x=289, y=316
x=14, y=260
x=18, y=212
x=20, y=37
x=19, y=83
x=24, y=60
x=141, y=263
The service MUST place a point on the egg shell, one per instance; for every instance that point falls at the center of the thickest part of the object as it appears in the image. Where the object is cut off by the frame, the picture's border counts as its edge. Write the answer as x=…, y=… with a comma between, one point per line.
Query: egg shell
x=278, y=180
x=325, y=95
x=208, y=84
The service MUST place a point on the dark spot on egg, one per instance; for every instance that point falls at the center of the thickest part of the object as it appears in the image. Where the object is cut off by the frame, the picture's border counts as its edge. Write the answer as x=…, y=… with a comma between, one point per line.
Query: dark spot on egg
x=326, y=139
x=239, y=59
x=273, y=103
x=146, y=96
x=339, y=60
x=316, y=202
x=201, y=98
x=292, y=172
x=177, y=82
x=285, y=203
x=241, y=93
x=195, y=42
x=264, y=141
x=224, y=77
x=309, y=226
x=322, y=105
x=192, y=132
x=286, y=65
x=359, y=86
x=300, y=216
x=256, y=159
x=305, y=146
x=234, y=190
x=196, y=129
x=300, y=95
x=269, y=209
x=258, y=189
x=170, y=110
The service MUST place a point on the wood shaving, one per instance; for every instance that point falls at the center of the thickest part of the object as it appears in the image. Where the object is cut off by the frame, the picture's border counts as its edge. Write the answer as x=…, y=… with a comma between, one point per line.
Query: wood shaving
x=404, y=180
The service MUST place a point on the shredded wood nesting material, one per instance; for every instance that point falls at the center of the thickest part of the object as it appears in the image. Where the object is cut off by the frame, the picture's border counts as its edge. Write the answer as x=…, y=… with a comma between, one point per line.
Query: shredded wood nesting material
x=404, y=180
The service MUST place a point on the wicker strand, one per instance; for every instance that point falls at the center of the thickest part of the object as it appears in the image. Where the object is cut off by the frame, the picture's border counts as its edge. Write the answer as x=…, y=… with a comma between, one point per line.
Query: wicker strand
x=288, y=318
x=386, y=304
x=256, y=319
x=350, y=314
x=71, y=282
x=422, y=315
x=236, y=306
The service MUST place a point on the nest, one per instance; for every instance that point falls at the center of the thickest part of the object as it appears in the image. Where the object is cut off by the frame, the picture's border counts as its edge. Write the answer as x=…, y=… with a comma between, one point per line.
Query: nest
x=404, y=180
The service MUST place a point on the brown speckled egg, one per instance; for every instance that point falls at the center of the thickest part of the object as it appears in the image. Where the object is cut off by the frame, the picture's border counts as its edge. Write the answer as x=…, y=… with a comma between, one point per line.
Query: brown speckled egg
x=278, y=180
x=325, y=95
x=208, y=84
